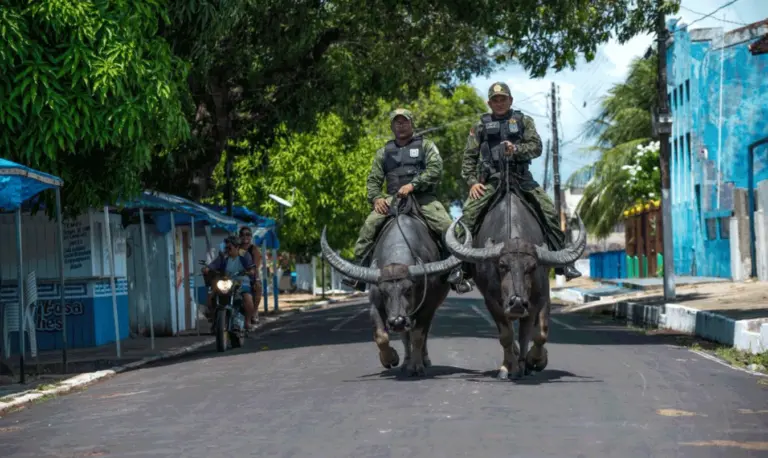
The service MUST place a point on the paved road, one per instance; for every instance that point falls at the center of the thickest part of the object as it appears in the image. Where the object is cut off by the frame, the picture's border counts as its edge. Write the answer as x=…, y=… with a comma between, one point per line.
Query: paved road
x=313, y=387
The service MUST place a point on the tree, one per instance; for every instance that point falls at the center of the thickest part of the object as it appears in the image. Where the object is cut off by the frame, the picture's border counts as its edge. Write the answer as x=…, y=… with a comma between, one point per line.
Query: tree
x=88, y=93
x=270, y=63
x=622, y=131
x=329, y=166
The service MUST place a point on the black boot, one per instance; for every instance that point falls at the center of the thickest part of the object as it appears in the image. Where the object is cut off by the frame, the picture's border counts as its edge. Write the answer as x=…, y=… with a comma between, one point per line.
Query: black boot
x=570, y=272
x=458, y=280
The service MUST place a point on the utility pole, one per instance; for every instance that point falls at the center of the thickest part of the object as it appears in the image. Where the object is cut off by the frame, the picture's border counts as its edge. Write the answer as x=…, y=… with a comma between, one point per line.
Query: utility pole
x=555, y=154
x=664, y=129
x=546, y=166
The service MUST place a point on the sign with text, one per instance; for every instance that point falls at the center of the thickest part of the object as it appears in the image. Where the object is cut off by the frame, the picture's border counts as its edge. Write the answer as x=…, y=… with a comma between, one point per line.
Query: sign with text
x=48, y=317
x=77, y=247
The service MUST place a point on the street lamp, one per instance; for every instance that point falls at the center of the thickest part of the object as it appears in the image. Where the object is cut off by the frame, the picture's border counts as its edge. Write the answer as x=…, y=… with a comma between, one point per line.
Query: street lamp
x=283, y=203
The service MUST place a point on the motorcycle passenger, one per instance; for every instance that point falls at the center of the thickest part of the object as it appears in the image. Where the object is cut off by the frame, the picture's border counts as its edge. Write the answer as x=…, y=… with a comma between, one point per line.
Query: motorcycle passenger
x=232, y=261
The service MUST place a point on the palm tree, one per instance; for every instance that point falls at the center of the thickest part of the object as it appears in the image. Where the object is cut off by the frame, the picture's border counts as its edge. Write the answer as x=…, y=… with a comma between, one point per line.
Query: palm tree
x=624, y=123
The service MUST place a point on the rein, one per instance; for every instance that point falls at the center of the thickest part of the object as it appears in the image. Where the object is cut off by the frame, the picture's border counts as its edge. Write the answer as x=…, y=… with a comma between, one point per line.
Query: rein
x=397, y=214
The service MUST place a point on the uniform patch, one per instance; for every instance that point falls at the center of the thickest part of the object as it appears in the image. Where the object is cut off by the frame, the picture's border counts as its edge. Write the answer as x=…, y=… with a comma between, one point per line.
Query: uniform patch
x=414, y=152
x=513, y=127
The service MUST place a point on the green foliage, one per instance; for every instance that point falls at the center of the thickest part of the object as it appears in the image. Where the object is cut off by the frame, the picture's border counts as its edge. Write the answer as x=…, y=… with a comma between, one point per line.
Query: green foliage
x=328, y=174
x=88, y=92
x=329, y=166
x=623, y=125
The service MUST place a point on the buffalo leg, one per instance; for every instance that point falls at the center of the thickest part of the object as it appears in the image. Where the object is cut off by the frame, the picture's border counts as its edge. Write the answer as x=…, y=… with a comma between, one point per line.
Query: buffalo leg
x=524, y=337
x=425, y=358
x=537, y=358
x=405, y=336
x=506, y=339
x=387, y=355
x=416, y=366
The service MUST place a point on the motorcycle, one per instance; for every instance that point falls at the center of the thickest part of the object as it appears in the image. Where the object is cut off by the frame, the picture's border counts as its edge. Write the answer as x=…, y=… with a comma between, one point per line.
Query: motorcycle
x=229, y=314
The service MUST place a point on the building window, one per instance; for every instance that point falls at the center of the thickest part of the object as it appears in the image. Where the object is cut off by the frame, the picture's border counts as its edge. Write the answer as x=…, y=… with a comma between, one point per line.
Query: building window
x=711, y=228
x=681, y=93
x=674, y=96
x=688, y=90
x=725, y=228
x=675, y=148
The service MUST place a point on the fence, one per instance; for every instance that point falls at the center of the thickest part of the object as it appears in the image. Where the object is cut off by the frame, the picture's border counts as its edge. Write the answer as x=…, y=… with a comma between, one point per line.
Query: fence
x=608, y=264
x=643, y=240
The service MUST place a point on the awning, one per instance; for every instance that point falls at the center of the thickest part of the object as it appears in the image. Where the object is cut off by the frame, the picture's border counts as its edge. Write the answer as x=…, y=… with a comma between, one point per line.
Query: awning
x=19, y=183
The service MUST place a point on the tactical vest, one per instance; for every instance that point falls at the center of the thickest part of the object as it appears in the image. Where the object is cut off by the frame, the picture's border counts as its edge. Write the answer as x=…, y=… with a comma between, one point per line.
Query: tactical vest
x=493, y=132
x=404, y=163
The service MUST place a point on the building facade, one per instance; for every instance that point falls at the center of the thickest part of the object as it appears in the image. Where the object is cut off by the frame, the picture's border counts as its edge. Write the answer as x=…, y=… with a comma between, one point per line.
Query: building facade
x=718, y=94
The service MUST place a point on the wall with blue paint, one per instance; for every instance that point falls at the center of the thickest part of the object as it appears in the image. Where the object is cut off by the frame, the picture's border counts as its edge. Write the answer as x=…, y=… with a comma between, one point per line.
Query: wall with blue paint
x=718, y=94
x=88, y=299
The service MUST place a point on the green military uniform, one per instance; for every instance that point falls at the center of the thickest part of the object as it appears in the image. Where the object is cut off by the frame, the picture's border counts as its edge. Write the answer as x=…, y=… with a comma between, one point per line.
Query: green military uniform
x=417, y=163
x=527, y=147
x=424, y=185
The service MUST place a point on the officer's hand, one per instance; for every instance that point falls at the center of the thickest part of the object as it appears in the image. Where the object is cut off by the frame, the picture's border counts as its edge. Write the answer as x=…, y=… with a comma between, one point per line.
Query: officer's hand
x=405, y=190
x=509, y=148
x=381, y=206
x=476, y=191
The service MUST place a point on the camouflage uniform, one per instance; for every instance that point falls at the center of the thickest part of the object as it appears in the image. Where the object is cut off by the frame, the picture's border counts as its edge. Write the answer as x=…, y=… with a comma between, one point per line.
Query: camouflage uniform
x=424, y=190
x=434, y=213
x=528, y=147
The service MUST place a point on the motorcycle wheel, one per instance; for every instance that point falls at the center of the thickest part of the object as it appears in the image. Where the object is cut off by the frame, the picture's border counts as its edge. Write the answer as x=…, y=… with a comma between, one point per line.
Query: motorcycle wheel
x=222, y=335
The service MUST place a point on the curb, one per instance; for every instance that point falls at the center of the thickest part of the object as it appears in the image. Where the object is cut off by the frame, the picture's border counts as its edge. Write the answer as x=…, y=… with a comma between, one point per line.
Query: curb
x=89, y=378
x=745, y=335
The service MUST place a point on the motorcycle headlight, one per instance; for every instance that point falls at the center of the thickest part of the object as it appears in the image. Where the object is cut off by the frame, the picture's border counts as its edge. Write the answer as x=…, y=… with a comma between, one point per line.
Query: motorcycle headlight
x=224, y=285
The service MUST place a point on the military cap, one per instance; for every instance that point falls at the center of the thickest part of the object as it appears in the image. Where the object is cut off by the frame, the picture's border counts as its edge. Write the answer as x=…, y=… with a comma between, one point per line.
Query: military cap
x=499, y=88
x=401, y=112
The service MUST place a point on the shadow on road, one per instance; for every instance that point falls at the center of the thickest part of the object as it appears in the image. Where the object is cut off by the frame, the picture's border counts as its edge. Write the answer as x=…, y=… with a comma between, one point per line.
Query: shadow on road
x=315, y=329
x=469, y=375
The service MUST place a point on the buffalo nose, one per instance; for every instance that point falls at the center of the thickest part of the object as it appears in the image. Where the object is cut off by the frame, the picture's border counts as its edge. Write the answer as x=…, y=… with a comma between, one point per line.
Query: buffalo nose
x=397, y=324
x=517, y=306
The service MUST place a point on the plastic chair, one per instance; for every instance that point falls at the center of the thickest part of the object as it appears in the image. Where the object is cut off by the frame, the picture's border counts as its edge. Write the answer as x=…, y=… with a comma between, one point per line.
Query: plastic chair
x=11, y=317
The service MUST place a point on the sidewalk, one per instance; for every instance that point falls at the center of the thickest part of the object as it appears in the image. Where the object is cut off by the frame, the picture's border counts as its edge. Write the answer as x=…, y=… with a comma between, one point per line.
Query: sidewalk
x=98, y=363
x=734, y=314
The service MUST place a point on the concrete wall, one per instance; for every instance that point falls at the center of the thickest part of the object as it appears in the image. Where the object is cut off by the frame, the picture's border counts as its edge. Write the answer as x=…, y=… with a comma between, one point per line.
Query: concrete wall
x=719, y=99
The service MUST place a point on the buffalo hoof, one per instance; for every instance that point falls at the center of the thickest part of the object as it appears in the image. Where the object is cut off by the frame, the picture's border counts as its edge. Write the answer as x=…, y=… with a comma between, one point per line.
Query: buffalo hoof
x=416, y=370
x=427, y=362
x=503, y=374
x=389, y=359
x=536, y=360
x=406, y=365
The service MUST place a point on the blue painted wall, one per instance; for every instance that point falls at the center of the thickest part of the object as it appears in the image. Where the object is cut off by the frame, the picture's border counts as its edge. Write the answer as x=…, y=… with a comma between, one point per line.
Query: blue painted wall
x=88, y=305
x=713, y=79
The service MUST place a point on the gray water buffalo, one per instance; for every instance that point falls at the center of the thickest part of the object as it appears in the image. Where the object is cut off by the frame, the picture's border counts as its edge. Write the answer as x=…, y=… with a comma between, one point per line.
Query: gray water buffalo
x=510, y=263
x=405, y=291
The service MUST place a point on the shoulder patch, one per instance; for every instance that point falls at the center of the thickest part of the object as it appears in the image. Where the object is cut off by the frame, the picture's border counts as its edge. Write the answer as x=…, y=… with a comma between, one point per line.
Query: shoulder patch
x=472, y=130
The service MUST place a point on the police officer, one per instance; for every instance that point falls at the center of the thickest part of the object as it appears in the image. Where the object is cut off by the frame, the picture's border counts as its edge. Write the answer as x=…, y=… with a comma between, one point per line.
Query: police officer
x=510, y=133
x=408, y=164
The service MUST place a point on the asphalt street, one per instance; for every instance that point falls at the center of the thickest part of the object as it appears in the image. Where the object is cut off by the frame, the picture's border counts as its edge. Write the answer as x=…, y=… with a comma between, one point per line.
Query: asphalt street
x=312, y=386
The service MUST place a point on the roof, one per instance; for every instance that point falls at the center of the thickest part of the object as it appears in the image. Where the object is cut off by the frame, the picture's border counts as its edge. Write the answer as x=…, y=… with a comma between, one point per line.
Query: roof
x=580, y=178
x=760, y=46
x=19, y=183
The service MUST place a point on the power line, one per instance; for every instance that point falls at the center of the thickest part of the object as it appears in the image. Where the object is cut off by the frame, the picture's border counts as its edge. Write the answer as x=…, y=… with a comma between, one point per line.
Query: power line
x=719, y=19
x=713, y=12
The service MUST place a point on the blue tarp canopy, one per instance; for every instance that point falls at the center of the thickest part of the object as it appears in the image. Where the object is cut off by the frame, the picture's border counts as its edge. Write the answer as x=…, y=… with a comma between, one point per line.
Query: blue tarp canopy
x=162, y=205
x=266, y=228
x=19, y=183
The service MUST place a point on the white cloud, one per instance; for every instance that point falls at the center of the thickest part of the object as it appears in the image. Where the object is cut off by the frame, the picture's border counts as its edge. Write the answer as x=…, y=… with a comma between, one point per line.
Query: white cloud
x=581, y=89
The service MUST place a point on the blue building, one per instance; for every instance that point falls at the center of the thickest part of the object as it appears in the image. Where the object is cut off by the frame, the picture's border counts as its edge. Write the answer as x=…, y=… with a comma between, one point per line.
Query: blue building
x=718, y=93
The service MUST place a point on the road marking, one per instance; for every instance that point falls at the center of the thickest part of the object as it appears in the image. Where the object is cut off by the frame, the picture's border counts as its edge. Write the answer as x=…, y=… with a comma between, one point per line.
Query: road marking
x=728, y=443
x=678, y=413
x=563, y=324
x=484, y=316
x=352, y=317
x=723, y=363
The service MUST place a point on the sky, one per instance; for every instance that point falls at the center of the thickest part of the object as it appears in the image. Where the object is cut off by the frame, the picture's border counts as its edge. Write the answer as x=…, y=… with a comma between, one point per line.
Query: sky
x=581, y=89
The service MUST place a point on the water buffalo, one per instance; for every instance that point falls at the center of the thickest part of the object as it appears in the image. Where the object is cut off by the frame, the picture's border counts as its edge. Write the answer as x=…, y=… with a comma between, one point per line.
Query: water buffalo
x=405, y=291
x=510, y=263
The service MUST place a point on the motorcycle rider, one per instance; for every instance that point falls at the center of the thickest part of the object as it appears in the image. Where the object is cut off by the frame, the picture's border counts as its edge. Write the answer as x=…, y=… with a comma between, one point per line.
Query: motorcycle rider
x=247, y=246
x=232, y=261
